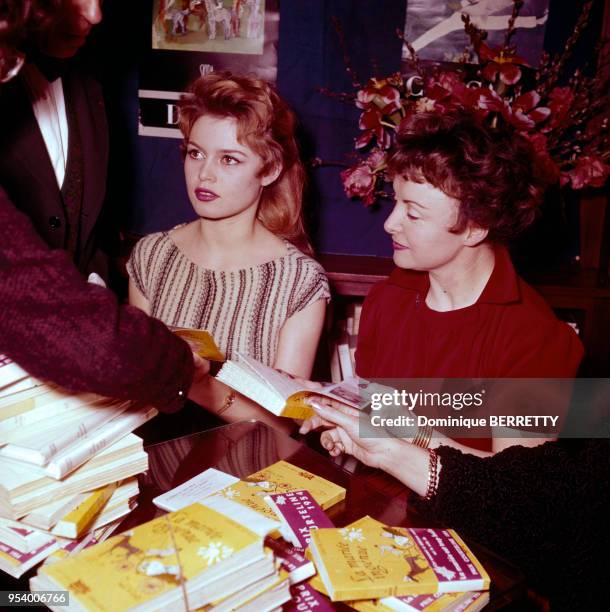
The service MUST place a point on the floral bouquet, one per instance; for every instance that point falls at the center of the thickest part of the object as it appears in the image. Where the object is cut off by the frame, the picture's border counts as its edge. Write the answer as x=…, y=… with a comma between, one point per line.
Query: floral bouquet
x=568, y=124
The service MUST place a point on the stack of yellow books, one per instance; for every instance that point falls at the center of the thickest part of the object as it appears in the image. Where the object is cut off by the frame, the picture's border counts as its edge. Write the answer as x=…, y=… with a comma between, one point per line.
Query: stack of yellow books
x=203, y=554
x=67, y=460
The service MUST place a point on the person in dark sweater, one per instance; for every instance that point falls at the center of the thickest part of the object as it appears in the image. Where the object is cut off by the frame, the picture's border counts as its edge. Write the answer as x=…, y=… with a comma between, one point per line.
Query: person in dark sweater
x=543, y=508
x=54, y=324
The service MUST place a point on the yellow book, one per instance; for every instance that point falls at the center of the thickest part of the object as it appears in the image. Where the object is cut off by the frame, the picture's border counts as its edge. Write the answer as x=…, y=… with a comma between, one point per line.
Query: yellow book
x=78, y=520
x=368, y=560
x=282, y=477
x=284, y=396
x=201, y=342
x=194, y=552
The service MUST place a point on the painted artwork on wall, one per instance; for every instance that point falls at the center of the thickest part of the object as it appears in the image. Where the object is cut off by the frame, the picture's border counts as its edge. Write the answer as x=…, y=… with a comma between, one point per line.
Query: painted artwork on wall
x=436, y=31
x=194, y=37
x=209, y=26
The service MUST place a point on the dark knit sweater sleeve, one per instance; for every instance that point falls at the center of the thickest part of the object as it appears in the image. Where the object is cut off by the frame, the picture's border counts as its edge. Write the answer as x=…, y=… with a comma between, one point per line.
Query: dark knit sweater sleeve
x=544, y=508
x=62, y=329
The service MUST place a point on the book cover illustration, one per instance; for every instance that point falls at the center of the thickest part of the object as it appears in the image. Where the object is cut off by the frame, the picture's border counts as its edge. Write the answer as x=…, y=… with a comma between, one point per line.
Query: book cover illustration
x=299, y=513
x=368, y=560
x=154, y=559
x=282, y=477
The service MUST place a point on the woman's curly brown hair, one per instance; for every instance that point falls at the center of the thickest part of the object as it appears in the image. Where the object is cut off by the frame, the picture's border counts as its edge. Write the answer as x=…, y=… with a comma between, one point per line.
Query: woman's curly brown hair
x=492, y=172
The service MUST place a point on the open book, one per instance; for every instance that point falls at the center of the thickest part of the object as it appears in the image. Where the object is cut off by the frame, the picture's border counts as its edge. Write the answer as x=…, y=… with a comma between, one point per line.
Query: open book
x=284, y=396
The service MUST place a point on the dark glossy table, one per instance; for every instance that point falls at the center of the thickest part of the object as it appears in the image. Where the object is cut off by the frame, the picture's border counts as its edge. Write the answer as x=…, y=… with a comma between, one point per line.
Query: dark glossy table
x=246, y=447
x=243, y=448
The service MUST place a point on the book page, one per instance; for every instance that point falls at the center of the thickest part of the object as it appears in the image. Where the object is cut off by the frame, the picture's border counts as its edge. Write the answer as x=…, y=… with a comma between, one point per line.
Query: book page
x=207, y=483
x=280, y=383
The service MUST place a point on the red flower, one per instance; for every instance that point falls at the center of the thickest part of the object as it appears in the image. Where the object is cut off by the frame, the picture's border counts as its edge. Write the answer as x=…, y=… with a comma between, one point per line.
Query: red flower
x=385, y=96
x=508, y=72
x=359, y=182
x=500, y=64
x=590, y=171
x=376, y=159
x=370, y=120
x=561, y=99
x=548, y=167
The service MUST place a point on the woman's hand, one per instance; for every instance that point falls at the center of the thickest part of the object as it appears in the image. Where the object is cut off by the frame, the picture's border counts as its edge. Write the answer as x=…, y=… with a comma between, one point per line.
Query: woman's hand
x=316, y=422
x=344, y=435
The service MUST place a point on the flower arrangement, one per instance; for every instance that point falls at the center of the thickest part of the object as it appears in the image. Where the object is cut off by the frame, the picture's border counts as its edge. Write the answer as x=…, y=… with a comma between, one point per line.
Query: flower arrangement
x=568, y=124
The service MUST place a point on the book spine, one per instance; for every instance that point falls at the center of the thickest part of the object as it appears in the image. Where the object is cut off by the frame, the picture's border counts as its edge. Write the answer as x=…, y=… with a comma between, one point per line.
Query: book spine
x=52, y=404
x=73, y=524
x=10, y=372
x=41, y=455
x=89, y=446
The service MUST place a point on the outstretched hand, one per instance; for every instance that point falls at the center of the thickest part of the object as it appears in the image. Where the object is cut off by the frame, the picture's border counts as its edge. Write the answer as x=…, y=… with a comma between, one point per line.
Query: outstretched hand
x=344, y=434
x=318, y=422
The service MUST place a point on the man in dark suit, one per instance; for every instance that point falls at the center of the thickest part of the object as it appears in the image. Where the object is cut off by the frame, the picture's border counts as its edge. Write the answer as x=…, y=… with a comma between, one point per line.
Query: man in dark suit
x=54, y=139
x=52, y=323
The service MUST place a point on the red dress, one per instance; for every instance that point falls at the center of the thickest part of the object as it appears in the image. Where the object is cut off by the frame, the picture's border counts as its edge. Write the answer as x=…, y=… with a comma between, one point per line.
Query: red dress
x=510, y=332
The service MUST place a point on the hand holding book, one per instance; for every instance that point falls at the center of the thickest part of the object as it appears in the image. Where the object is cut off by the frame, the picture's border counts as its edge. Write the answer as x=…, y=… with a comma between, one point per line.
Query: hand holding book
x=283, y=394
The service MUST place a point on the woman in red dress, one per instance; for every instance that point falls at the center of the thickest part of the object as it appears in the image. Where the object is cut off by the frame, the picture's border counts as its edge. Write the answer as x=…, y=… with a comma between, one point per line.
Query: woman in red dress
x=454, y=307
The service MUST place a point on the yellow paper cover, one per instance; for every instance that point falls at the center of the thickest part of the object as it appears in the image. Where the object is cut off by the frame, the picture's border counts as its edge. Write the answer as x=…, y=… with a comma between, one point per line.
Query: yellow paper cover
x=77, y=520
x=368, y=560
x=201, y=342
x=282, y=477
x=125, y=567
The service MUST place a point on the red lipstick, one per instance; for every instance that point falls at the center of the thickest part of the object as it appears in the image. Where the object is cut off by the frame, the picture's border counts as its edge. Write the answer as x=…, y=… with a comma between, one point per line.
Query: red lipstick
x=205, y=195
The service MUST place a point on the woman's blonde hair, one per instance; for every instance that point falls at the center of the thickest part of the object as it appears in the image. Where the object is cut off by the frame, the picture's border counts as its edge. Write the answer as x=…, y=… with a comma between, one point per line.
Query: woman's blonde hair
x=266, y=125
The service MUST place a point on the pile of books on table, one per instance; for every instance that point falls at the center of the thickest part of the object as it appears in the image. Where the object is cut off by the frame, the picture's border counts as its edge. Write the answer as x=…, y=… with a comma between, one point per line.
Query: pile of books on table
x=265, y=542
x=67, y=468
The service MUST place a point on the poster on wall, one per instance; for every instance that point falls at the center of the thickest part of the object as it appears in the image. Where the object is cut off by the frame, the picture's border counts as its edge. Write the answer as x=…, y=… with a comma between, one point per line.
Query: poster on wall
x=436, y=30
x=190, y=38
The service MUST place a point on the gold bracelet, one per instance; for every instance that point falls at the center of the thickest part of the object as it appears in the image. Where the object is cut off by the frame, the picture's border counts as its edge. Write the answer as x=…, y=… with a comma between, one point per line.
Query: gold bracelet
x=423, y=436
x=227, y=403
x=432, y=475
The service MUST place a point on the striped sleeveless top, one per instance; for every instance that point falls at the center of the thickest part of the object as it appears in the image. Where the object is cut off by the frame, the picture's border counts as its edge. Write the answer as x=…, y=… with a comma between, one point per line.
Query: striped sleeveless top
x=243, y=309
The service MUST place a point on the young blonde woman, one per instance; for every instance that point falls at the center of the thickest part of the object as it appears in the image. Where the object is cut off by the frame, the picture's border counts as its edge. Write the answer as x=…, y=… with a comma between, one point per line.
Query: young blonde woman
x=240, y=269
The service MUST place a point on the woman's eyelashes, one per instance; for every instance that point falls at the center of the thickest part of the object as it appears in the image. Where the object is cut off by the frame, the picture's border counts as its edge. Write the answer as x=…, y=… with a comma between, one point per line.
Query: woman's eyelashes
x=194, y=153
x=225, y=160
x=229, y=160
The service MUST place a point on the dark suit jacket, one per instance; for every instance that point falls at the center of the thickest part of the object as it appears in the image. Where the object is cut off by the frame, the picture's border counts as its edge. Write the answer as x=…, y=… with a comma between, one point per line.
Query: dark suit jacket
x=27, y=175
